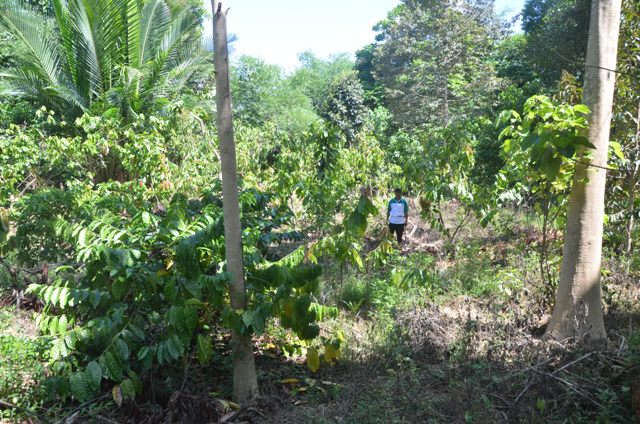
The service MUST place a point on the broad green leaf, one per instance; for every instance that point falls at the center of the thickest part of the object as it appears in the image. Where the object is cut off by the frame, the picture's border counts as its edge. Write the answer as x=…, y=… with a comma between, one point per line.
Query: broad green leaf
x=122, y=349
x=128, y=390
x=551, y=166
x=111, y=366
x=205, y=349
x=174, y=347
x=506, y=146
x=503, y=117
x=79, y=386
x=120, y=288
x=143, y=352
x=583, y=141
x=94, y=375
x=137, y=382
x=55, y=294
x=194, y=302
x=529, y=140
x=82, y=237
x=582, y=109
x=617, y=149
x=62, y=324
x=64, y=297
x=247, y=317
x=567, y=151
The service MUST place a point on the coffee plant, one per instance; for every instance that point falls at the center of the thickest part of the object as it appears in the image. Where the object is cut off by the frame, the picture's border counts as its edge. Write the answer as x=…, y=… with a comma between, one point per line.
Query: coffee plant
x=146, y=284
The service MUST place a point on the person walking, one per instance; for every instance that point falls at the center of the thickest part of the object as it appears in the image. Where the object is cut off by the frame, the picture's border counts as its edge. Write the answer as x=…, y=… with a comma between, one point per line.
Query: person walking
x=397, y=214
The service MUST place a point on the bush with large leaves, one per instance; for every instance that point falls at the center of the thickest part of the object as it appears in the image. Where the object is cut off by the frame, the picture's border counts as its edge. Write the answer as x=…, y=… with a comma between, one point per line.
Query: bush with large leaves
x=144, y=285
x=96, y=54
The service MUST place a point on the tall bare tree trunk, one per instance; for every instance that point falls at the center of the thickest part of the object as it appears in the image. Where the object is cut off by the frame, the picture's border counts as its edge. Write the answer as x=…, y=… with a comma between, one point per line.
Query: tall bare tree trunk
x=245, y=384
x=633, y=182
x=578, y=308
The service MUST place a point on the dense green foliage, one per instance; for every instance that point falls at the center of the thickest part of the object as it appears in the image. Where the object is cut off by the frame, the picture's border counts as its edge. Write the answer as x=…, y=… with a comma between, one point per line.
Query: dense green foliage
x=101, y=54
x=111, y=225
x=143, y=288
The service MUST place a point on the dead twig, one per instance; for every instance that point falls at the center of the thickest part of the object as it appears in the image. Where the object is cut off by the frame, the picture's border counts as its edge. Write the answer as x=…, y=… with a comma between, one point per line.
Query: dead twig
x=228, y=417
x=8, y=405
x=526, y=388
x=81, y=407
x=572, y=362
x=506, y=402
x=104, y=419
x=572, y=387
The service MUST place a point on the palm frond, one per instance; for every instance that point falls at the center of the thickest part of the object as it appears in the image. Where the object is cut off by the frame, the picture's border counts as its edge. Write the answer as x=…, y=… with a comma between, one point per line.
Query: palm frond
x=29, y=29
x=154, y=21
x=110, y=26
x=19, y=82
x=132, y=30
x=29, y=83
x=86, y=48
x=121, y=51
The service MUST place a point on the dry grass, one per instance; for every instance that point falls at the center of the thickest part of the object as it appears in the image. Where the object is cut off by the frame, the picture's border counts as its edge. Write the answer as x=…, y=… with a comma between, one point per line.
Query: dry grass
x=471, y=360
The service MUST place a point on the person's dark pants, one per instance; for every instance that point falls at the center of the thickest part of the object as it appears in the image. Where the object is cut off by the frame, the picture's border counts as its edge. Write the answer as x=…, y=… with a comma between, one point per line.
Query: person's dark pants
x=398, y=229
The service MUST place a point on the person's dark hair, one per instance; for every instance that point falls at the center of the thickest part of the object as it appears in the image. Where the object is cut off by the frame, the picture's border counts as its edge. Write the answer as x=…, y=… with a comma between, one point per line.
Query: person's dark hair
x=398, y=190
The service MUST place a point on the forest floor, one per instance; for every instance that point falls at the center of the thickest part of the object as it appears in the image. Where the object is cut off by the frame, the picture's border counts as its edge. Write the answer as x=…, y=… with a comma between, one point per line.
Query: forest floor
x=429, y=338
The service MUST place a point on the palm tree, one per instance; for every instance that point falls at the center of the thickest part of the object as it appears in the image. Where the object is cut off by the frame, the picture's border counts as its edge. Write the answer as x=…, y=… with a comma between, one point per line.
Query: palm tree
x=98, y=54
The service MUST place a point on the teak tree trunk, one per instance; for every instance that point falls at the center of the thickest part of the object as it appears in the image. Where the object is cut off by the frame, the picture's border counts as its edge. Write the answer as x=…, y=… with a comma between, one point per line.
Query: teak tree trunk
x=245, y=384
x=578, y=308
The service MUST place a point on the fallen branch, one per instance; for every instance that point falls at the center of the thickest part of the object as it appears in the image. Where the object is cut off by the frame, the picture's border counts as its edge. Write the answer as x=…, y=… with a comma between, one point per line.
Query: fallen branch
x=572, y=388
x=81, y=407
x=526, y=388
x=572, y=362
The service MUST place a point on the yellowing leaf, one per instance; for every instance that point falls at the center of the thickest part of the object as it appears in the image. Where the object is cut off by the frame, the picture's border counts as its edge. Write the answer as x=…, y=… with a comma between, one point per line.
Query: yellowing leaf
x=227, y=404
x=117, y=394
x=4, y=219
x=290, y=381
x=224, y=404
x=331, y=354
x=313, y=359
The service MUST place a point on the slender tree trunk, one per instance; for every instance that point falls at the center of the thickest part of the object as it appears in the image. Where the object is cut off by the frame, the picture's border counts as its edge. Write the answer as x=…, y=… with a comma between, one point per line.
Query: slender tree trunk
x=630, y=210
x=245, y=384
x=445, y=103
x=633, y=182
x=546, y=283
x=578, y=308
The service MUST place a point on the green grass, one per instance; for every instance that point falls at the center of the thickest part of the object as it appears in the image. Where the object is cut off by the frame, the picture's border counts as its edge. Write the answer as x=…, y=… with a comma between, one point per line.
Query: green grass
x=22, y=364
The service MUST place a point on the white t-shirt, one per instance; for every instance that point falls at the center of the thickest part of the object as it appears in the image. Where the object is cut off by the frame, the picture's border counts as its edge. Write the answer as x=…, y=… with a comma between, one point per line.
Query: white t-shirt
x=396, y=211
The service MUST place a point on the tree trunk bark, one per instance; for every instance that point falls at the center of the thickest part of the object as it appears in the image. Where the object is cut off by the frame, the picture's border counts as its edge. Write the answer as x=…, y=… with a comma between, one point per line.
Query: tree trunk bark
x=445, y=103
x=630, y=210
x=633, y=182
x=245, y=384
x=578, y=308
